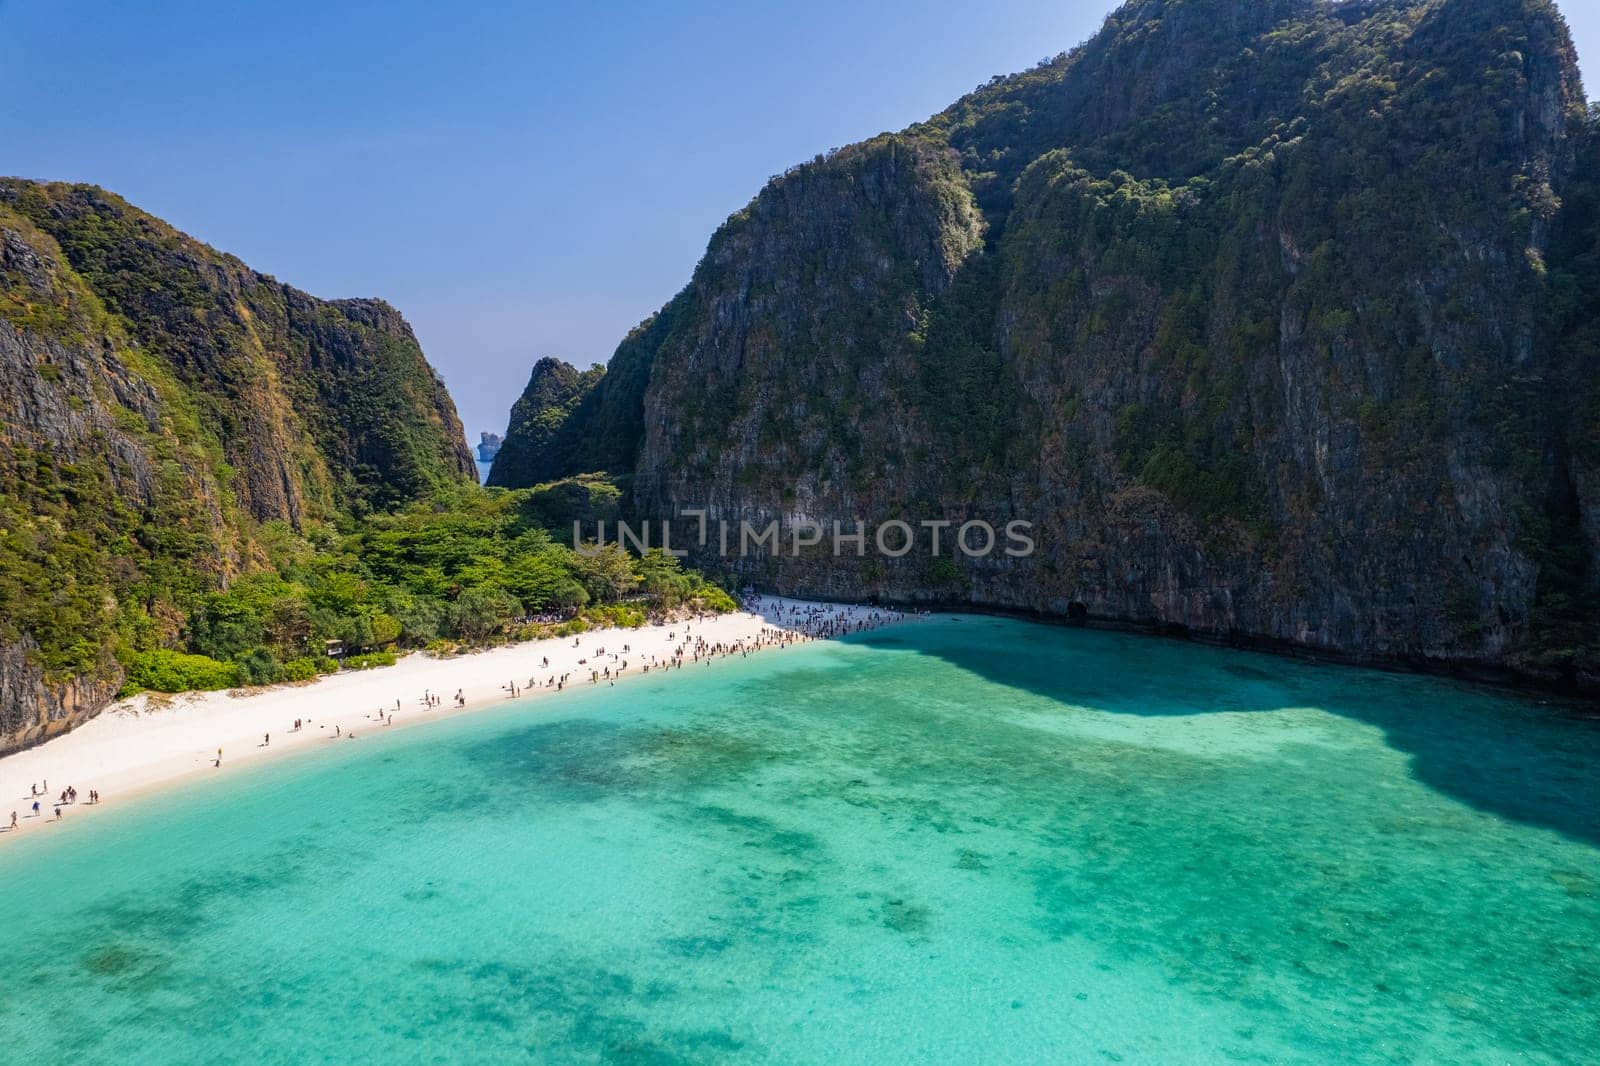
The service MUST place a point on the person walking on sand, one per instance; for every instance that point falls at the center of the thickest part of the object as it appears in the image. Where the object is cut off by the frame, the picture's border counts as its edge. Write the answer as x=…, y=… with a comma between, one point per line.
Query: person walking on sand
x=266, y=740
x=218, y=763
x=13, y=820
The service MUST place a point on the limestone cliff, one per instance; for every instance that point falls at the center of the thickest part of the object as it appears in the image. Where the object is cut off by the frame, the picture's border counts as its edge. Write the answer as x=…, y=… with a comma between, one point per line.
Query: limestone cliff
x=159, y=402
x=535, y=446
x=1268, y=316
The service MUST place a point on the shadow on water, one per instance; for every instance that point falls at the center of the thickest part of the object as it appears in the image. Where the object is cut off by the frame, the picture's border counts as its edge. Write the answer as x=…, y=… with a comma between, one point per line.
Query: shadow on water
x=656, y=869
x=1532, y=761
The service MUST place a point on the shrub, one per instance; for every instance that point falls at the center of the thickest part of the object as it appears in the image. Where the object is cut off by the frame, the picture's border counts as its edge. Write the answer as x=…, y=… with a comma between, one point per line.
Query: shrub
x=163, y=670
x=622, y=615
x=305, y=669
x=371, y=658
x=710, y=597
x=259, y=666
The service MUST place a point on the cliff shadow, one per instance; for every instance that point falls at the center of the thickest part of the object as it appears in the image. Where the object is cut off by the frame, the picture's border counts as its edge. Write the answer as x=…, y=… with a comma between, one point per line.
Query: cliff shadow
x=1532, y=760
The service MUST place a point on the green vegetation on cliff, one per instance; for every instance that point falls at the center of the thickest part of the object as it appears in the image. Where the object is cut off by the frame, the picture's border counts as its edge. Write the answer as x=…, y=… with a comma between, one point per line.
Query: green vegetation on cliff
x=567, y=423
x=527, y=455
x=1274, y=317
x=206, y=475
x=318, y=407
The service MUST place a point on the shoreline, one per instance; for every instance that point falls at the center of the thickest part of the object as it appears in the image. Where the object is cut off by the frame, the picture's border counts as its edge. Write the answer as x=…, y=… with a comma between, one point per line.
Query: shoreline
x=1580, y=694
x=144, y=744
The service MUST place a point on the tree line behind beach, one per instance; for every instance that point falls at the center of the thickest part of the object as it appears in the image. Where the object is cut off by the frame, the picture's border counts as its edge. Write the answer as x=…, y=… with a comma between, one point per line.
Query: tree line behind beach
x=465, y=568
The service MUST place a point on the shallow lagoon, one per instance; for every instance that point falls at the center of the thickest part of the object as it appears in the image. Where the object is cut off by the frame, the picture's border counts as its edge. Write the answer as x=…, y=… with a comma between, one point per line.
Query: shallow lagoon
x=969, y=839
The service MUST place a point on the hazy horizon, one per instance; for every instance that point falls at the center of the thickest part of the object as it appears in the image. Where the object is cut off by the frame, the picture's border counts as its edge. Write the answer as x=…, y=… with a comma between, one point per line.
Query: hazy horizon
x=518, y=183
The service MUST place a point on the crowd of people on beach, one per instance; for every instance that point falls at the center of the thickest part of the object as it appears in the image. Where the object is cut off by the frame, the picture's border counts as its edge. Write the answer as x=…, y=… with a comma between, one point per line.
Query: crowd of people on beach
x=794, y=624
x=40, y=794
x=790, y=624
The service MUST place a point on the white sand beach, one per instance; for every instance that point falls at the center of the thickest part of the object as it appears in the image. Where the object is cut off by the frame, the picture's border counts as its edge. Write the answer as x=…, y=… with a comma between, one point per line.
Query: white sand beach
x=147, y=742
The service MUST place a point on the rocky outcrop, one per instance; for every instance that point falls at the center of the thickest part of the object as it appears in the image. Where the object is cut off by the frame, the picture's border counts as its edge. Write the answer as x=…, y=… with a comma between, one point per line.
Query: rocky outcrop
x=317, y=405
x=535, y=445
x=33, y=709
x=1245, y=307
x=795, y=355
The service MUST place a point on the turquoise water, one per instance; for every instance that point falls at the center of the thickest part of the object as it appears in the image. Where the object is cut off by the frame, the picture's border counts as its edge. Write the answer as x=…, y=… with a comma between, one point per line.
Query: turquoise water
x=967, y=840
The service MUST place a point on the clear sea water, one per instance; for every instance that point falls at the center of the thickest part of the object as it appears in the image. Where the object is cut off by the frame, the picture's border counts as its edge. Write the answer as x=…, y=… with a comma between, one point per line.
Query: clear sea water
x=966, y=840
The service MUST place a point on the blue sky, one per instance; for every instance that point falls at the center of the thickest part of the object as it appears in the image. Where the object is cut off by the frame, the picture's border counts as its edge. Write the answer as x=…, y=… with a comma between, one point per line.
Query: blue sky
x=519, y=179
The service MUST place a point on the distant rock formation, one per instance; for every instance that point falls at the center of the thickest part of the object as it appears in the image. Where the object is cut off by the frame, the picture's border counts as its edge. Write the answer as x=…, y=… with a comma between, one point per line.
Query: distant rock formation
x=488, y=446
x=539, y=445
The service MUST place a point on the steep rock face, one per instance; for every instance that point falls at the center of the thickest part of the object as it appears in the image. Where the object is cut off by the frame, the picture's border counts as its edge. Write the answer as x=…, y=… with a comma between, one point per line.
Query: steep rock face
x=318, y=404
x=158, y=401
x=1246, y=307
x=532, y=450
x=795, y=349
x=1569, y=586
x=598, y=427
x=32, y=708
